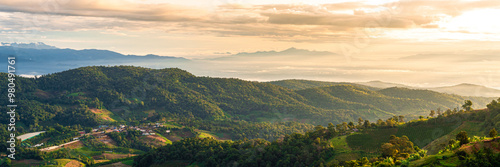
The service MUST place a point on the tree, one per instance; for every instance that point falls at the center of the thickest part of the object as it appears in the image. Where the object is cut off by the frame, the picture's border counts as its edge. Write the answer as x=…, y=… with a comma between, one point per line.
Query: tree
x=366, y=124
x=395, y=118
x=388, y=150
x=390, y=122
x=493, y=132
x=351, y=125
x=447, y=112
x=344, y=126
x=364, y=161
x=462, y=137
x=360, y=121
x=401, y=118
x=432, y=113
x=467, y=105
x=331, y=130
x=380, y=122
x=397, y=147
x=421, y=117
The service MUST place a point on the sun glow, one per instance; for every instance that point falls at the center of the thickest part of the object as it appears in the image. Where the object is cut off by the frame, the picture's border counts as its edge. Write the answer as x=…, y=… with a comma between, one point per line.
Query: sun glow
x=476, y=21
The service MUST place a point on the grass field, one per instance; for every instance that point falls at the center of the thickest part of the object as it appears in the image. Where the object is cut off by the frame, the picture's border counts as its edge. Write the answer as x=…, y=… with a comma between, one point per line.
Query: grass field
x=421, y=135
x=106, y=115
x=340, y=144
x=163, y=137
x=128, y=162
x=442, y=160
x=59, y=162
x=88, y=152
x=205, y=134
x=424, y=134
x=172, y=125
x=370, y=140
x=345, y=153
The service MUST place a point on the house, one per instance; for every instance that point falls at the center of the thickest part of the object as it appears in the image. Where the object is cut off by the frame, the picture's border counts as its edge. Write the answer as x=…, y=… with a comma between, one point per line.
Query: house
x=168, y=131
x=152, y=133
x=76, y=138
x=103, y=126
x=145, y=134
x=38, y=145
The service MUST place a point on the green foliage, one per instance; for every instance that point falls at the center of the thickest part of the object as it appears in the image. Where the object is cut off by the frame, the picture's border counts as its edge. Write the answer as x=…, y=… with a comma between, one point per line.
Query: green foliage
x=66, y=98
x=295, y=149
x=239, y=130
x=467, y=106
x=462, y=137
x=130, y=139
x=483, y=158
x=397, y=147
x=493, y=133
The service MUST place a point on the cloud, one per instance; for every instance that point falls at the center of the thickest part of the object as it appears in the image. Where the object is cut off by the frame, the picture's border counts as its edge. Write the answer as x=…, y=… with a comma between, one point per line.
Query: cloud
x=347, y=21
x=109, y=9
x=285, y=22
x=448, y=7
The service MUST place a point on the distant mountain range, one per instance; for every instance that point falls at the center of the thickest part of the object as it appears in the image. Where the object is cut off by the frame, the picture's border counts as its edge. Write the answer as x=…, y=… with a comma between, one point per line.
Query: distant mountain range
x=464, y=89
x=288, y=54
x=461, y=89
x=37, y=45
x=39, y=58
x=380, y=84
x=468, y=90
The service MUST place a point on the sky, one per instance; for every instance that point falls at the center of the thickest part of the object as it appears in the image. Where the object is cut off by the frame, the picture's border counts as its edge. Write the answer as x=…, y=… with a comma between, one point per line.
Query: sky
x=416, y=42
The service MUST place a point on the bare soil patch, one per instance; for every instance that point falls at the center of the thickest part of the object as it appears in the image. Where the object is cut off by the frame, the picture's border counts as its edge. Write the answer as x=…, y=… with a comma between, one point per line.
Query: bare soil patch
x=112, y=156
x=75, y=145
x=153, y=141
x=493, y=144
x=73, y=163
x=173, y=138
x=156, y=137
x=107, y=140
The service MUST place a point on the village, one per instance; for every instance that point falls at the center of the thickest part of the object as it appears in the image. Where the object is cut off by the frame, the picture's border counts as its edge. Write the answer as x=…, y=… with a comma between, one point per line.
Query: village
x=99, y=132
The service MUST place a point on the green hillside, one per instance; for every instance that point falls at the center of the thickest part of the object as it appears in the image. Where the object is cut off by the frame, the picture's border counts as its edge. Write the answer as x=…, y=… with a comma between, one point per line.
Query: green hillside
x=383, y=103
x=129, y=93
x=378, y=144
x=448, y=100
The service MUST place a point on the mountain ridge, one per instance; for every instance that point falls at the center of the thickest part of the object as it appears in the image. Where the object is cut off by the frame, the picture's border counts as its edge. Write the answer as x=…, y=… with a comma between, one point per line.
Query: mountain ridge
x=176, y=91
x=463, y=89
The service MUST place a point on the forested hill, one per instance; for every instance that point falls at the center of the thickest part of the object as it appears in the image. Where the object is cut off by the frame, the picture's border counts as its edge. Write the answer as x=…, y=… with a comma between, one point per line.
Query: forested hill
x=399, y=101
x=130, y=93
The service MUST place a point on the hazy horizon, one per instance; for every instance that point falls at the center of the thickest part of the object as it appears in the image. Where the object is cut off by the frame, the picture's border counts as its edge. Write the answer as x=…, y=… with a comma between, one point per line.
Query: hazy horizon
x=414, y=42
